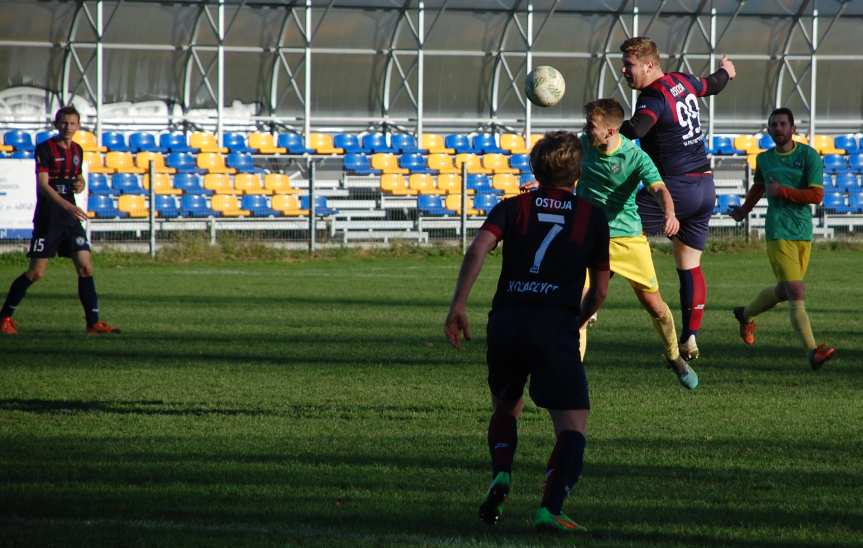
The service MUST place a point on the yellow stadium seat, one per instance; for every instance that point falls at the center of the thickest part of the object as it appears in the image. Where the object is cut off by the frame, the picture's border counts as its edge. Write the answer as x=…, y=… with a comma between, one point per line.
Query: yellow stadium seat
x=214, y=163
x=513, y=142
x=387, y=163
x=800, y=138
x=94, y=163
x=442, y=163
x=824, y=145
x=750, y=159
x=422, y=183
x=219, y=183
x=206, y=142
x=88, y=141
x=322, y=143
x=288, y=205
x=449, y=183
x=506, y=182
x=395, y=184
x=121, y=162
x=249, y=183
x=143, y=159
x=228, y=206
x=747, y=143
x=453, y=202
x=534, y=137
x=497, y=163
x=434, y=144
x=264, y=143
x=278, y=183
x=473, y=162
x=163, y=184
x=133, y=204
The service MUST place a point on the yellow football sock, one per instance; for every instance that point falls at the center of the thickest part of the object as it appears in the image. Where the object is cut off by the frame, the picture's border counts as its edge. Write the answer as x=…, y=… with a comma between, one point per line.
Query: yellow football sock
x=664, y=325
x=800, y=322
x=765, y=300
x=582, y=342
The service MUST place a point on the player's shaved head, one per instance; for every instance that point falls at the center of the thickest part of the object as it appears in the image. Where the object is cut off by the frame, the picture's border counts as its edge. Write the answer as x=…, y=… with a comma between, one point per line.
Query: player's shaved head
x=641, y=47
x=556, y=159
x=607, y=110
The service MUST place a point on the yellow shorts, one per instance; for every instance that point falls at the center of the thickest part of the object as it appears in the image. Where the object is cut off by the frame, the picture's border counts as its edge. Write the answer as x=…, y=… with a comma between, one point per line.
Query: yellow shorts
x=789, y=258
x=630, y=257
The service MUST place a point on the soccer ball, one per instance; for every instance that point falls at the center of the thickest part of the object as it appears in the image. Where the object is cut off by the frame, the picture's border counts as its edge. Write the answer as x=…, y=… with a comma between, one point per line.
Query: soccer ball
x=544, y=86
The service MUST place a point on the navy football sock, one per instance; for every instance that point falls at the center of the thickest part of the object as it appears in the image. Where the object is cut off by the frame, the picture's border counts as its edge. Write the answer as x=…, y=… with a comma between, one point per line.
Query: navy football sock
x=564, y=469
x=89, y=300
x=16, y=294
x=502, y=442
x=693, y=296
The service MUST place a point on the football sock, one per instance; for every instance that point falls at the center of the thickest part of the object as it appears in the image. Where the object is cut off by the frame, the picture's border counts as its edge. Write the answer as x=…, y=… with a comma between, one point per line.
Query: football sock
x=582, y=342
x=693, y=296
x=87, y=294
x=16, y=294
x=800, y=322
x=664, y=325
x=502, y=442
x=765, y=300
x=563, y=469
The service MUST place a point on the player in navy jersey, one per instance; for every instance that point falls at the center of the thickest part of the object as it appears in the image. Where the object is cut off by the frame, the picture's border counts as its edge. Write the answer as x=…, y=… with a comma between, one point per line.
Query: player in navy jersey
x=550, y=238
x=666, y=120
x=57, y=224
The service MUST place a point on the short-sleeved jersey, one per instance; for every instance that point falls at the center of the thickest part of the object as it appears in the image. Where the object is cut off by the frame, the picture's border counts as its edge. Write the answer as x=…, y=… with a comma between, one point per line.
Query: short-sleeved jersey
x=800, y=168
x=676, y=141
x=550, y=237
x=63, y=166
x=609, y=180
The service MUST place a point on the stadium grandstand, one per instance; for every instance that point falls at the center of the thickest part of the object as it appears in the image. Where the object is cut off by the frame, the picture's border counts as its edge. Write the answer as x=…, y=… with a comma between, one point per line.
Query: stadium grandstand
x=314, y=123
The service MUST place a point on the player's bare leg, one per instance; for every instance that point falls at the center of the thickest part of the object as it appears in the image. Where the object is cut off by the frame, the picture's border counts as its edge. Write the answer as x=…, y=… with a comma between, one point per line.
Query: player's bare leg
x=87, y=294
x=693, y=293
x=502, y=443
x=663, y=322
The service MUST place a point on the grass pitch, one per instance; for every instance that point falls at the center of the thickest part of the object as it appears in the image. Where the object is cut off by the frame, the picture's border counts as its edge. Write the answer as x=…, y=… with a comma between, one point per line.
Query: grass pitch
x=316, y=403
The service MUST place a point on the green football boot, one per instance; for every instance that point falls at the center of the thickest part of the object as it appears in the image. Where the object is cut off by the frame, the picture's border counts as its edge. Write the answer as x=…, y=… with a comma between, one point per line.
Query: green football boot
x=546, y=521
x=498, y=492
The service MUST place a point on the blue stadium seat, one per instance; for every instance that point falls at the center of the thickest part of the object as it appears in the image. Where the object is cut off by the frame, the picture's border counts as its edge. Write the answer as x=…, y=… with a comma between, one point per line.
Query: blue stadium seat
x=834, y=163
x=358, y=164
x=294, y=143
x=348, y=142
x=97, y=183
x=725, y=202
x=374, y=143
x=43, y=136
x=321, y=207
x=855, y=162
x=479, y=183
x=22, y=154
x=242, y=162
x=723, y=146
x=114, y=141
x=235, y=142
x=404, y=143
x=484, y=201
x=183, y=162
x=195, y=205
x=431, y=204
x=174, y=142
x=18, y=140
x=166, y=206
x=415, y=163
x=845, y=182
x=525, y=178
x=848, y=143
x=143, y=142
x=855, y=201
x=258, y=205
x=126, y=183
x=484, y=143
x=103, y=206
x=190, y=183
x=459, y=142
x=834, y=202
x=520, y=162
x=766, y=142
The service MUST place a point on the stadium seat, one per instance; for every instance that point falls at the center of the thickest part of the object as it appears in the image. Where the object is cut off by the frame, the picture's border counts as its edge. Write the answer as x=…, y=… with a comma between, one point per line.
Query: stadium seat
x=824, y=145
x=497, y=163
x=166, y=206
x=183, y=162
x=766, y=142
x=87, y=141
x=449, y=183
x=213, y=163
x=855, y=162
x=97, y=183
x=395, y=184
x=834, y=163
x=18, y=140
x=293, y=143
x=94, y=163
x=249, y=183
x=242, y=162
x=431, y=204
x=845, y=182
x=162, y=184
x=134, y=205
x=348, y=142
x=375, y=143
x=258, y=205
x=43, y=136
x=453, y=203
x=432, y=143
x=506, y=183
x=442, y=163
x=520, y=162
x=323, y=144
x=386, y=163
x=235, y=142
x=143, y=142
x=460, y=143
x=174, y=142
x=288, y=205
x=206, y=142
x=484, y=201
x=103, y=206
x=800, y=138
x=513, y=142
x=278, y=183
x=189, y=183
x=724, y=202
x=746, y=144
x=126, y=183
x=485, y=143
x=143, y=159
x=195, y=205
x=220, y=183
x=228, y=206
x=22, y=154
x=321, y=206
x=479, y=182
x=722, y=146
x=534, y=138
x=422, y=183
x=834, y=202
x=473, y=162
x=404, y=143
x=264, y=143
x=114, y=141
x=855, y=201
x=414, y=163
x=121, y=162
x=846, y=143
x=358, y=164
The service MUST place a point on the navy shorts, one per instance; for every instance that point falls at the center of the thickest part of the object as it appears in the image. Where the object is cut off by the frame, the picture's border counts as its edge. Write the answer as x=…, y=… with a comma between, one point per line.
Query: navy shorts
x=694, y=197
x=542, y=344
x=62, y=240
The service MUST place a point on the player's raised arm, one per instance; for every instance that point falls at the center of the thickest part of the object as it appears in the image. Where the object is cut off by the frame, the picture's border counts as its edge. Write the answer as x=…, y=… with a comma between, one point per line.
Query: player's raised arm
x=457, y=323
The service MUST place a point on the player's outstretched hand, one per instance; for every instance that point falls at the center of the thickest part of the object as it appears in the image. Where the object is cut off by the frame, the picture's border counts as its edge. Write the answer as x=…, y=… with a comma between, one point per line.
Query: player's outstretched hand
x=76, y=212
x=725, y=63
x=456, y=324
x=737, y=213
x=671, y=226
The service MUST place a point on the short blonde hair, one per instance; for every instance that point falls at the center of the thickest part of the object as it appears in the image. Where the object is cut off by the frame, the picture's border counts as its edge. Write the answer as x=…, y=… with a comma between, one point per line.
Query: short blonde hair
x=609, y=110
x=642, y=47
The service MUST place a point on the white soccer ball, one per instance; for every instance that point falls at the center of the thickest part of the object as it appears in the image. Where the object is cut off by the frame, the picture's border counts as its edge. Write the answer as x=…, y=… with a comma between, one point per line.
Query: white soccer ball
x=544, y=86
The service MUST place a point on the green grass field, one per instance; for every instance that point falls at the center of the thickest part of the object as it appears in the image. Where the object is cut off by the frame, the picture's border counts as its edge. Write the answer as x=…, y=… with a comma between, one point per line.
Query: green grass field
x=316, y=403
